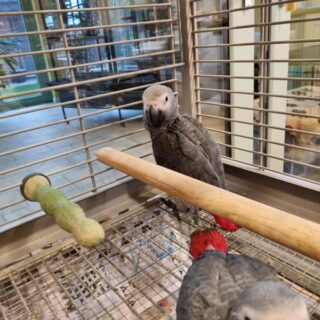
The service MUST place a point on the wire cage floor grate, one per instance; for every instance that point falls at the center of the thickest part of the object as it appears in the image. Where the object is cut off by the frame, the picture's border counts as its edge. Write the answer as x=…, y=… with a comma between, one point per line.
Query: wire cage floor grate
x=135, y=274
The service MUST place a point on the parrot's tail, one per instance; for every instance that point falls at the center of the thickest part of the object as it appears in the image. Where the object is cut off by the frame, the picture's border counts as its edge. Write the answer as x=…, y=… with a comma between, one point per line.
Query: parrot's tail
x=202, y=239
x=225, y=224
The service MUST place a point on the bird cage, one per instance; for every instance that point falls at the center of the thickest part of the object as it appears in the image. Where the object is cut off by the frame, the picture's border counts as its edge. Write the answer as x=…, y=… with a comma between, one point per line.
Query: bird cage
x=72, y=74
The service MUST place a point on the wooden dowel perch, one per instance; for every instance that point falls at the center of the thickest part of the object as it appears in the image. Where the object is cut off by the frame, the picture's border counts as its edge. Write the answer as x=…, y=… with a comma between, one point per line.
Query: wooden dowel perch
x=289, y=230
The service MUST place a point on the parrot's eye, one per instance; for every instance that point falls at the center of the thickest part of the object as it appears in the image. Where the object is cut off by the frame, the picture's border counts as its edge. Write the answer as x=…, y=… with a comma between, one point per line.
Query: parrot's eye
x=166, y=98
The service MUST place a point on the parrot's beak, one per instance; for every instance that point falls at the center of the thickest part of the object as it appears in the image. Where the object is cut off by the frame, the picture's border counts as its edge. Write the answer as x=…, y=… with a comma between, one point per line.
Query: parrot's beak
x=156, y=116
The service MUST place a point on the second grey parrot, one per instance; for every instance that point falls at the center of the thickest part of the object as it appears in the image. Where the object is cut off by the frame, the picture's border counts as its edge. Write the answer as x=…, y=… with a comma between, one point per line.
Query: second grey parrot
x=181, y=143
x=223, y=286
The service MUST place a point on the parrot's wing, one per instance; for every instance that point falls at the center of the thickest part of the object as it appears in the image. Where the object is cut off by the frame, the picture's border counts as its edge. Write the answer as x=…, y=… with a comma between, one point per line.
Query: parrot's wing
x=210, y=149
x=186, y=146
x=173, y=149
x=182, y=147
x=246, y=270
x=164, y=146
x=206, y=290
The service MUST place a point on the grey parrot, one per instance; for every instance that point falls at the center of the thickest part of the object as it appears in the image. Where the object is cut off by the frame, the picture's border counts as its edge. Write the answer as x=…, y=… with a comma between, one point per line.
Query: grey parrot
x=223, y=286
x=181, y=143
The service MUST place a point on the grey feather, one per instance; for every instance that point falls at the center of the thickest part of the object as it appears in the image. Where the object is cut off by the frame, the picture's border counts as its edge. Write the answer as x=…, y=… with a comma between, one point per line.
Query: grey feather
x=210, y=149
x=268, y=300
x=216, y=287
x=186, y=146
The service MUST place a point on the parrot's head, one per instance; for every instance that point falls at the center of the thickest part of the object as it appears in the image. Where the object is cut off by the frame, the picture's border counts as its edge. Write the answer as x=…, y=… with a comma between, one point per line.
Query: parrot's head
x=268, y=300
x=160, y=106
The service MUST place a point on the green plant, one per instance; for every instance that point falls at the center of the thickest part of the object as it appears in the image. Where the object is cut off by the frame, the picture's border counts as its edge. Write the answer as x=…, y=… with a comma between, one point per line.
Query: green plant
x=6, y=46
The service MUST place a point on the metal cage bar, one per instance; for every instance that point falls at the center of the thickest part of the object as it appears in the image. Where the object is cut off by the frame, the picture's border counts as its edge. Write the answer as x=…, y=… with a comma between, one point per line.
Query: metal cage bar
x=132, y=7
x=257, y=43
x=264, y=110
x=317, y=98
x=54, y=105
x=79, y=83
x=68, y=30
x=263, y=5
x=88, y=64
x=105, y=44
x=255, y=25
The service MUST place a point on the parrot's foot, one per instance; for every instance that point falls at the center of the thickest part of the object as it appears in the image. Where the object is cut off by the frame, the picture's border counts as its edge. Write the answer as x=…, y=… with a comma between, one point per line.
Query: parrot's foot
x=195, y=216
x=209, y=239
x=170, y=204
x=225, y=224
x=176, y=214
